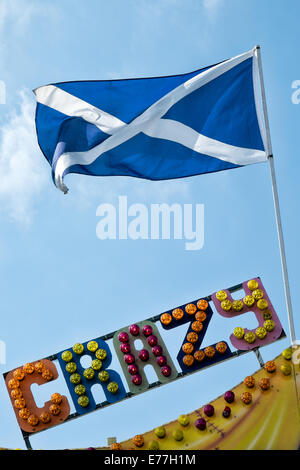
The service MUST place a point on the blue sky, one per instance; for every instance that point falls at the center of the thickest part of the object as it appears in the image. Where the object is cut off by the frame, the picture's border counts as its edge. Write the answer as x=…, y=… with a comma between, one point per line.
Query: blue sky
x=59, y=283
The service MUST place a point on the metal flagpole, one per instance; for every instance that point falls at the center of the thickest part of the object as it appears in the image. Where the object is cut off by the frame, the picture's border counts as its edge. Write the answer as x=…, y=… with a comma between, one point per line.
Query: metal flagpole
x=276, y=205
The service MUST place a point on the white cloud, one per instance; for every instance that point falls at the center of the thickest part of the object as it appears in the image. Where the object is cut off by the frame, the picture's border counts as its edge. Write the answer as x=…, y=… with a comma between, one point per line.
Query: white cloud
x=174, y=8
x=85, y=191
x=212, y=7
x=23, y=173
x=18, y=10
x=16, y=17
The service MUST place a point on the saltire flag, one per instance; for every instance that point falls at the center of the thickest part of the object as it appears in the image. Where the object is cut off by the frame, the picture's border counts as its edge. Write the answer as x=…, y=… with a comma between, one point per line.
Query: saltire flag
x=155, y=128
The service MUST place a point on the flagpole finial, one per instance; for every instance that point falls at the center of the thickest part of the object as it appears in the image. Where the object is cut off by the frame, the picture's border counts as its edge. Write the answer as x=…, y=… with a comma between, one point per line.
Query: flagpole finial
x=256, y=47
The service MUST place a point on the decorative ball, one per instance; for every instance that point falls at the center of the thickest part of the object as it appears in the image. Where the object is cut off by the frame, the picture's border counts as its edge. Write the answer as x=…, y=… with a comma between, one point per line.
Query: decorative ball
x=264, y=383
x=250, y=337
x=45, y=418
x=199, y=355
x=89, y=373
x=209, y=352
x=153, y=445
x=208, y=410
x=160, y=432
x=248, y=300
x=28, y=368
x=262, y=304
x=190, y=309
x=161, y=361
x=125, y=348
x=152, y=340
x=157, y=350
x=237, y=305
x=200, y=316
x=113, y=387
x=19, y=374
x=39, y=367
x=96, y=364
x=221, y=347
x=226, y=305
x=147, y=330
x=116, y=446
x=249, y=381
x=134, y=330
x=252, y=284
x=192, y=337
x=226, y=412
x=287, y=354
x=78, y=348
x=258, y=294
x=67, y=356
x=184, y=420
x=103, y=376
x=166, y=371
x=54, y=409
x=47, y=375
x=270, y=366
x=269, y=325
x=165, y=319
x=13, y=383
x=20, y=403
x=177, y=435
x=267, y=314
x=79, y=389
x=24, y=413
x=83, y=401
x=239, y=332
x=138, y=440
x=56, y=398
x=123, y=337
x=286, y=369
x=132, y=369
x=261, y=332
x=200, y=423
x=246, y=398
x=188, y=348
x=197, y=326
x=92, y=346
x=188, y=360
x=71, y=367
x=136, y=379
x=202, y=304
x=177, y=313
x=221, y=295
x=75, y=379
x=16, y=393
x=101, y=354
x=229, y=396
x=129, y=358
x=33, y=420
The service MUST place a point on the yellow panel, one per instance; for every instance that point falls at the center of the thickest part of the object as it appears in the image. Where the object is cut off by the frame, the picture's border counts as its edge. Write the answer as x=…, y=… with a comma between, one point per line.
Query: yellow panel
x=271, y=421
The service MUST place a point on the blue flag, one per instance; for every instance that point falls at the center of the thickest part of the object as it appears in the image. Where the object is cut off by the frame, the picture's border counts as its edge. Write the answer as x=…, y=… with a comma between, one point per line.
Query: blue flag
x=154, y=128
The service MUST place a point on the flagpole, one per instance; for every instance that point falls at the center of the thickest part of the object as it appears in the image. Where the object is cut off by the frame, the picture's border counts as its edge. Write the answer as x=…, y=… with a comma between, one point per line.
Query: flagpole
x=276, y=206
